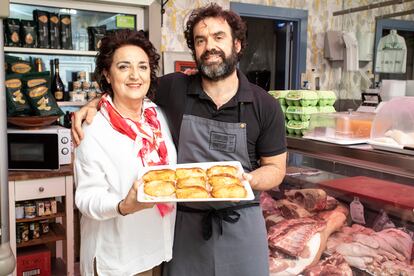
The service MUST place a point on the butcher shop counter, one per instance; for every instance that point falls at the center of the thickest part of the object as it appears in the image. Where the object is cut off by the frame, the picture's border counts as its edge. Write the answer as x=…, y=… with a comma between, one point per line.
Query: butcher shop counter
x=355, y=171
x=355, y=160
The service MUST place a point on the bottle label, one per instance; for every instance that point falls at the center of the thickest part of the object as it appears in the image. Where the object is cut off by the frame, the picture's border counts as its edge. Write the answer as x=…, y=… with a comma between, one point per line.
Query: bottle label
x=357, y=211
x=59, y=95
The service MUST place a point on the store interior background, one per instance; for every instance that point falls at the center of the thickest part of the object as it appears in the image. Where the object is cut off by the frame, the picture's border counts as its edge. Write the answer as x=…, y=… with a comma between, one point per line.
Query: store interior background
x=347, y=85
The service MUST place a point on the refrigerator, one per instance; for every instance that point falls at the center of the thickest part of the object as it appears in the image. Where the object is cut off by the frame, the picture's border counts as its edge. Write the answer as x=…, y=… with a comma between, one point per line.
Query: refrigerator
x=7, y=260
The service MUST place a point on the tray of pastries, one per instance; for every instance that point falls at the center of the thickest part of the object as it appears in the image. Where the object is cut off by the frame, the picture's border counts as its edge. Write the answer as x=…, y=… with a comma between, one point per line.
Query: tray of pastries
x=207, y=181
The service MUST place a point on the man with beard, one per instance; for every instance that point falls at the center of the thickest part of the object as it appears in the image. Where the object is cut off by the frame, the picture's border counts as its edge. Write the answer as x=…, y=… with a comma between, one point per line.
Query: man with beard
x=217, y=115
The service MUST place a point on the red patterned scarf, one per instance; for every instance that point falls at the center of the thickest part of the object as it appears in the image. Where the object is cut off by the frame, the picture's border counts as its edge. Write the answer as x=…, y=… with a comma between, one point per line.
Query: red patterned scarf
x=146, y=133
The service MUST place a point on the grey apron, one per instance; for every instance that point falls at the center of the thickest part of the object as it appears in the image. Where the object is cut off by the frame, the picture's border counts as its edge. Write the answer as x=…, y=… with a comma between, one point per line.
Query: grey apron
x=217, y=238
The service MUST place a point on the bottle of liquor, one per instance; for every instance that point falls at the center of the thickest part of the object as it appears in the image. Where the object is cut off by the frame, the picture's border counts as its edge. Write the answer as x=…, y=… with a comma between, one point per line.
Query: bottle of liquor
x=58, y=88
x=39, y=67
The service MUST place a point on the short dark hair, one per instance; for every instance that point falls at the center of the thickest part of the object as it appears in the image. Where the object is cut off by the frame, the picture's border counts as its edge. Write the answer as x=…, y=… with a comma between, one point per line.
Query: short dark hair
x=116, y=39
x=237, y=25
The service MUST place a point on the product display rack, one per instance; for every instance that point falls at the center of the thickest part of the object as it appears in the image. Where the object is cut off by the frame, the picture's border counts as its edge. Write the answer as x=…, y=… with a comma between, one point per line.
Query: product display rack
x=41, y=51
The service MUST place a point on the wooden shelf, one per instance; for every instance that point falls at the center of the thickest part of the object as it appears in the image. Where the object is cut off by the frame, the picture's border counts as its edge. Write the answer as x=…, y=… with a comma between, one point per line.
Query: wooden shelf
x=66, y=103
x=56, y=233
x=57, y=215
x=42, y=51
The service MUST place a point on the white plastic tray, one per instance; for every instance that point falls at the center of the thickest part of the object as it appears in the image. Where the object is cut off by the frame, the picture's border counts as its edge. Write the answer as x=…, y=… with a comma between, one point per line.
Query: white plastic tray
x=337, y=141
x=390, y=147
x=143, y=197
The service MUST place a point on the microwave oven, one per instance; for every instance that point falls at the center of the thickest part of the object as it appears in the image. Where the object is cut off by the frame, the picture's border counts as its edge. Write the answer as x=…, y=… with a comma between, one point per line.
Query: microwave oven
x=39, y=149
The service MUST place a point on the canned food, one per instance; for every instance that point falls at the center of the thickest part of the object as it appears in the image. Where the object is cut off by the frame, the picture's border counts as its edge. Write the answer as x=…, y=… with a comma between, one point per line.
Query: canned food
x=19, y=232
x=24, y=231
x=34, y=229
x=29, y=210
x=40, y=208
x=19, y=211
x=48, y=210
x=44, y=226
x=53, y=206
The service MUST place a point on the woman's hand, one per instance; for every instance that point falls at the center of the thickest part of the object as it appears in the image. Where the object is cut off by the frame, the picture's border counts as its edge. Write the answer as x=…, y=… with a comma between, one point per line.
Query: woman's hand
x=87, y=112
x=130, y=204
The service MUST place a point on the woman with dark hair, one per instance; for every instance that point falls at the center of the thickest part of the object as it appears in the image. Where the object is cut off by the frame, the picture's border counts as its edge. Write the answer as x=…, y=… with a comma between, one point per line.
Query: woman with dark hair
x=119, y=235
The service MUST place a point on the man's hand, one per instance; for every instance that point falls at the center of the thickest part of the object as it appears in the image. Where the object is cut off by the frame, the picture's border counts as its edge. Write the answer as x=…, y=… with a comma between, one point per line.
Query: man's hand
x=87, y=113
x=130, y=204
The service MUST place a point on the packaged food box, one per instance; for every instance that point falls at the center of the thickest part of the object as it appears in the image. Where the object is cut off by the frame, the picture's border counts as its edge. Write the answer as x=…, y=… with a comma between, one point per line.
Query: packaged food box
x=326, y=98
x=300, y=113
x=297, y=127
x=280, y=95
x=302, y=98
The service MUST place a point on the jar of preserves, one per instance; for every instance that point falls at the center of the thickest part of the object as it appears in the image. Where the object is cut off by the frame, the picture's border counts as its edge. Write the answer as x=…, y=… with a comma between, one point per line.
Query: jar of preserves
x=29, y=209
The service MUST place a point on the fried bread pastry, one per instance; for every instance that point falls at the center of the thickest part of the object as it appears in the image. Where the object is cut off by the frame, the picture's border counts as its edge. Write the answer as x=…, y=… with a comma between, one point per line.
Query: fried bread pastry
x=192, y=192
x=165, y=175
x=229, y=191
x=159, y=188
x=191, y=182
x=222, y=169
x=190, y=172
x=223, y=180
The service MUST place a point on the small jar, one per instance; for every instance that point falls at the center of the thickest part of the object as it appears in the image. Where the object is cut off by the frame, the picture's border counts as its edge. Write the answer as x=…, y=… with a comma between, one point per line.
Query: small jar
x=20, y=227
x=40, y=208
x=29, y=209
x=48, y=210
x=34, y=230
x=53, y=206
x=44, y=226
x=24, y=231
x=19, y=211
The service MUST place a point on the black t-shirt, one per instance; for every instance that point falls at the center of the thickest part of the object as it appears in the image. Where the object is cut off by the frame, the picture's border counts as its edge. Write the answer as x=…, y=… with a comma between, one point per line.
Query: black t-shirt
x=260, y=111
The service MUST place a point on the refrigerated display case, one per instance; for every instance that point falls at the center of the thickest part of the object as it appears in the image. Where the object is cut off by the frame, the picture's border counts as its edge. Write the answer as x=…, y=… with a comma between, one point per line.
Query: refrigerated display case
x=365, y=202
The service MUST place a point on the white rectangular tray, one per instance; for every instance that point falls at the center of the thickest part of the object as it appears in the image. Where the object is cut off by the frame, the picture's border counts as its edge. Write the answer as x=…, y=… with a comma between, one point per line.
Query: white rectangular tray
x=390, y=147
x=337, y=141
x=142, y=197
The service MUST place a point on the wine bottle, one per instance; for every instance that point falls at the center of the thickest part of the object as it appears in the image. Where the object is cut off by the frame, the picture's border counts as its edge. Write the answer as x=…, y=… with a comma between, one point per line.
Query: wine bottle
x=58, y=88
x=39, y=67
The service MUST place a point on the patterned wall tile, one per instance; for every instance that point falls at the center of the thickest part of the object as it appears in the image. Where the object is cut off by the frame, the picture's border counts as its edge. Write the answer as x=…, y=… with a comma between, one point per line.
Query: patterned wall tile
x=346, y=84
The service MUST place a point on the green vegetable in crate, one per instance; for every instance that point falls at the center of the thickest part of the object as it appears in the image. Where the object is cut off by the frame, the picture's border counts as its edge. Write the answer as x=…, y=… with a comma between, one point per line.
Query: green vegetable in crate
x=326, y=98
x=280, y=95
x=302, y=98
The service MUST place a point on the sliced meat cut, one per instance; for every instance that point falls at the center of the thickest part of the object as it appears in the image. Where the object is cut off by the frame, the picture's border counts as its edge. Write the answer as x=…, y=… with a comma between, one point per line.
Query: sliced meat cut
x=291, y=210
x=291, y=236
x=310, y=199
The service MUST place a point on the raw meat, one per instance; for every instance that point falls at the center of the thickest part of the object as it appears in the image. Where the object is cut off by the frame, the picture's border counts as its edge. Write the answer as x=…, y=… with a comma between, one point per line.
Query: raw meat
x=310, y=199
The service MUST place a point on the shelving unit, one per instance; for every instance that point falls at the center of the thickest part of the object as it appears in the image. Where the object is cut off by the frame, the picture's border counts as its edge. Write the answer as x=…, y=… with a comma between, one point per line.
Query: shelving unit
x=41, y=51
x=56, y=233
x=38, y=185
x=72, y=103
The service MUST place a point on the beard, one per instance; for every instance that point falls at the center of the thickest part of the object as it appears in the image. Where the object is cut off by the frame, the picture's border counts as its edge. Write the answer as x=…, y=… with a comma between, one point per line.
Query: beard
x=218, y=70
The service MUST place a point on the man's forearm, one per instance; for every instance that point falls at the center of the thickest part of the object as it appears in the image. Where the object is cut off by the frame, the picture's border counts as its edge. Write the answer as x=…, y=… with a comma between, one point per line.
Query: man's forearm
x=267, y=177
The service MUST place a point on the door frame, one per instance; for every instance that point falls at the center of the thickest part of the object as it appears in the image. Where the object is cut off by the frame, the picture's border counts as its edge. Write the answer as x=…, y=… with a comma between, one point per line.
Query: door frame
x=299, y=17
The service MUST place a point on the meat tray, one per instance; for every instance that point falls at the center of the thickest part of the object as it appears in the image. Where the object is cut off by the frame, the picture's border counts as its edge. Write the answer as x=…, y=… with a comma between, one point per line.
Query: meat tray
x=143, y=197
